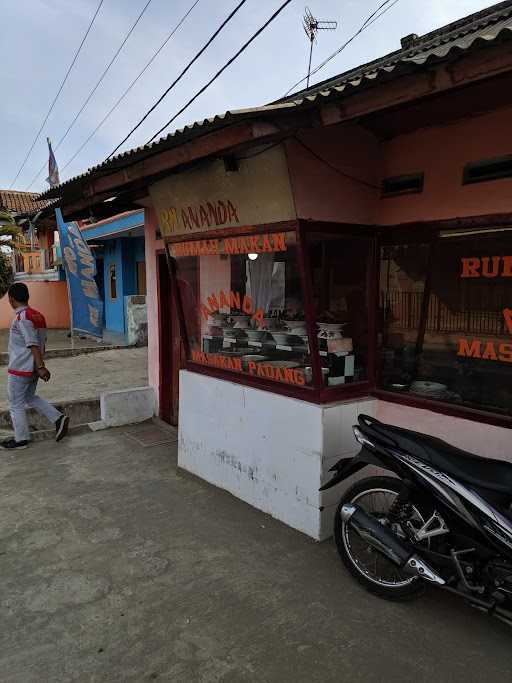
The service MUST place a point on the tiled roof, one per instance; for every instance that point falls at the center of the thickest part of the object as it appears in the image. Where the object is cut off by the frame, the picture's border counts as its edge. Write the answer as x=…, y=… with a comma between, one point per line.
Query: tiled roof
x=22, y=202
x=470, y=32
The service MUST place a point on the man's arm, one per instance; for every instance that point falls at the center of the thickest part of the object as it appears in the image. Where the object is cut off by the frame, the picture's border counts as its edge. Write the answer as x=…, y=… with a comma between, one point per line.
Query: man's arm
x=31, y=338
x=41, y=370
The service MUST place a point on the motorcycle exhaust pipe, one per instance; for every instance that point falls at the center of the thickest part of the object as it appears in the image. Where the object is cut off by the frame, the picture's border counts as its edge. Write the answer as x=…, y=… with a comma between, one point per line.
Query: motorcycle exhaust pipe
x=383, y=540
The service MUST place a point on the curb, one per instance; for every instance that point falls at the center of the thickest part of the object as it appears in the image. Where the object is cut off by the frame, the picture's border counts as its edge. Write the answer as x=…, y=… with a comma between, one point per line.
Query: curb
x=69, y=353
x=80, y=412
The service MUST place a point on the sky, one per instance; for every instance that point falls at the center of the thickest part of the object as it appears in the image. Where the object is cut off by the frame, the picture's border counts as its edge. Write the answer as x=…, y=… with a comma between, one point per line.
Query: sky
x=40, y=37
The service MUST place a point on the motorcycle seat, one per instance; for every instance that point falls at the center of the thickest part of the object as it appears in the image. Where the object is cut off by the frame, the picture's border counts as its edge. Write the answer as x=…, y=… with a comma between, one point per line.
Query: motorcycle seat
x=487, y=473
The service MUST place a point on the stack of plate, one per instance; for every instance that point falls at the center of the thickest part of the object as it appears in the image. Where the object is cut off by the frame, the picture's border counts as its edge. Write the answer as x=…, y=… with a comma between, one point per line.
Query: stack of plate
x=429, y=389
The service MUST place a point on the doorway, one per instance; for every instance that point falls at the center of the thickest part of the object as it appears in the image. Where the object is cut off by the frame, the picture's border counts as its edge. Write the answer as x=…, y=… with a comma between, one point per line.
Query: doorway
x=170, y=345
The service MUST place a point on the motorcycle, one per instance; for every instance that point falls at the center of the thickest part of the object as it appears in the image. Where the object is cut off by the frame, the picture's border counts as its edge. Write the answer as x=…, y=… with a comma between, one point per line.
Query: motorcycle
x=444, y=518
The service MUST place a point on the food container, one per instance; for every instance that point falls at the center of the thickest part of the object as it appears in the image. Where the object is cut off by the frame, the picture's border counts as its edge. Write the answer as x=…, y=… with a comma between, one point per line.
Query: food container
x=330, y=330
x=255, y=335
x=241, y=322
x=296, y=327
x=429, y=389
x=269, y=324
x=283, y=338
x=234, y=333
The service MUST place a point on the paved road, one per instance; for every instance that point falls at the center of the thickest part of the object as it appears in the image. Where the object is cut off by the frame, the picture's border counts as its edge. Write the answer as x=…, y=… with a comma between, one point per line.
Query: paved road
x=116, y=567
x=86, y=376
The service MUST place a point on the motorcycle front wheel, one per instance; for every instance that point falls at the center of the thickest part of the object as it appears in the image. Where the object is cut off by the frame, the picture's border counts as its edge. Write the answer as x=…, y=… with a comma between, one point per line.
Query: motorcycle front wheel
x=370, y=568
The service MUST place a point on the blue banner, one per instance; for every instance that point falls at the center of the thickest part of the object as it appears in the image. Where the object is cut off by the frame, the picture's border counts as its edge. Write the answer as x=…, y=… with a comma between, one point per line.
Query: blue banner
x=79, y=263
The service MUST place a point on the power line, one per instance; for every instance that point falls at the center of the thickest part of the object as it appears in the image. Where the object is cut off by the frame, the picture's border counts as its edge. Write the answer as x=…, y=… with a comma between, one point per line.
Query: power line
x=228, y=63
x=57, y=95
x=333, y=167
x=374, y=16
x=141, y=73
x=90, y=95
x=178, y=79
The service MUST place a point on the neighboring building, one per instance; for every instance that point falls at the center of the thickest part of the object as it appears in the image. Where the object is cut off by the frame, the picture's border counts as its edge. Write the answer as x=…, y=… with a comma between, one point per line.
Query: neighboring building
x=36, y=260
x=380, y=202
x=118, y=245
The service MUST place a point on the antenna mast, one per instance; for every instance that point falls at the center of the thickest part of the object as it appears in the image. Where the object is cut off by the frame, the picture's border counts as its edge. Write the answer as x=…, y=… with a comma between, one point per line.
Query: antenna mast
x=311, y=28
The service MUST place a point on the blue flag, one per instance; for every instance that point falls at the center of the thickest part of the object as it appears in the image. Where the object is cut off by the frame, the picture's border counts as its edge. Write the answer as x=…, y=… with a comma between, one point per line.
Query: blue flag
x=80, y=265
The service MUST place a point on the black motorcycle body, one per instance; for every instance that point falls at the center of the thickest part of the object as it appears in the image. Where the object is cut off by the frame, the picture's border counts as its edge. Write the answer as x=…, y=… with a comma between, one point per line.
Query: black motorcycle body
x=447, y=519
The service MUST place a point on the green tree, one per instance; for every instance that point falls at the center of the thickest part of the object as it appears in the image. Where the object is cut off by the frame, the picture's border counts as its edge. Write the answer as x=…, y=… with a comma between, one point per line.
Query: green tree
x=8, y=232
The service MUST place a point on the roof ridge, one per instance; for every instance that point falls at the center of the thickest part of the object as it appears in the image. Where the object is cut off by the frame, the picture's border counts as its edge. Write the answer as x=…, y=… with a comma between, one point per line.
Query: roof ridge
x=490, y=14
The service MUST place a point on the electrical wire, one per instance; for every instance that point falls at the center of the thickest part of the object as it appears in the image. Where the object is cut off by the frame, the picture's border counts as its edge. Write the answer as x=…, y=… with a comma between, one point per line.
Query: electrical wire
x=228, y=63
x=333, y=167
x=178, y=79
x=374, y=16
x=100, y=80
x=57, y=95
x=135, y=80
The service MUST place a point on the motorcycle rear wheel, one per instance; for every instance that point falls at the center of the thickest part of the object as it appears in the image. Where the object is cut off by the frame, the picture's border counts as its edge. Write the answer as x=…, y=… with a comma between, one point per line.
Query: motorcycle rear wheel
x=369, y=567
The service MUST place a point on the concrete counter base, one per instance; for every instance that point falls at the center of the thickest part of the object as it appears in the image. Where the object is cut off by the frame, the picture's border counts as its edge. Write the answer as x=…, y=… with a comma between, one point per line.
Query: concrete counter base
x=271, y=451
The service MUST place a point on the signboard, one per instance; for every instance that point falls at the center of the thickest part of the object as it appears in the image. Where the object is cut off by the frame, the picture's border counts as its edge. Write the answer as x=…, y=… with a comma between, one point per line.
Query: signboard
x=210, y=197
x=475, y=267
x=85, y=304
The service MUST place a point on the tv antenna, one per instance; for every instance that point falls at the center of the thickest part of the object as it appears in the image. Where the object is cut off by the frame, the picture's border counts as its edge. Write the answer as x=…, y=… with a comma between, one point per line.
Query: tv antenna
x=311, y=27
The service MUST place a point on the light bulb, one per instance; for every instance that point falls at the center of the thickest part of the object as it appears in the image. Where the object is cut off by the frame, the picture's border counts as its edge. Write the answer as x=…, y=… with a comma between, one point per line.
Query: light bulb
x=253, y=257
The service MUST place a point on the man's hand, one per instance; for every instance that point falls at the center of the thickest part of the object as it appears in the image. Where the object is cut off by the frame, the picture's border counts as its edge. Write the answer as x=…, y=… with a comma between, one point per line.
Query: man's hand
x=43, y=373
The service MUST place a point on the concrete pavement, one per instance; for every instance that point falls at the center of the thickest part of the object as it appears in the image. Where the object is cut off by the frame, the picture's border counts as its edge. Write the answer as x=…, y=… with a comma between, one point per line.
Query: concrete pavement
x=59, y=339
x=85, y=377
x=114, y=566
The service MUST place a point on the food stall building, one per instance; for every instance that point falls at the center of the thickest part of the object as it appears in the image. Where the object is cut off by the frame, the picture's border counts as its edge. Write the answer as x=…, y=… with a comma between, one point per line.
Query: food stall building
x=345, y=250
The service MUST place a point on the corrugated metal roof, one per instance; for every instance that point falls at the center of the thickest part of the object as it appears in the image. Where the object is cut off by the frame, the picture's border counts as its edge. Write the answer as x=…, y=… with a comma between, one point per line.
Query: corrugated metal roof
x=481, y=27
x=464, y=34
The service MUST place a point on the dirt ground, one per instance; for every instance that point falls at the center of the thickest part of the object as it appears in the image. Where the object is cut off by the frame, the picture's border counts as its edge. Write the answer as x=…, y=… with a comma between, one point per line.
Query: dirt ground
x=117, y=567
x=88, y=375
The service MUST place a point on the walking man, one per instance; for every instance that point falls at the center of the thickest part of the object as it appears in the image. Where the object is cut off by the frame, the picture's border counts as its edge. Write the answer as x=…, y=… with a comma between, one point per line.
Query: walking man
x=27, y=342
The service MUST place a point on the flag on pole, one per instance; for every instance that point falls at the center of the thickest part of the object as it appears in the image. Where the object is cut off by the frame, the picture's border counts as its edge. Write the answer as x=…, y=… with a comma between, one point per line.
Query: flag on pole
x=53, y=170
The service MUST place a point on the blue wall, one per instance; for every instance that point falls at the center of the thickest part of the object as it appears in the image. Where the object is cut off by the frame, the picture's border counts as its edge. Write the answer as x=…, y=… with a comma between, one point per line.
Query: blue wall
x=123, y=253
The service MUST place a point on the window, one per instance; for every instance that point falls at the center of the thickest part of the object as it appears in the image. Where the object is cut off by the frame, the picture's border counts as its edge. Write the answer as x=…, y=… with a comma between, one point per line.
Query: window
x=243, y=305
x=487, y=169
x=446, y=319
x=403, y=184
x=339, y=266
x=113, y=281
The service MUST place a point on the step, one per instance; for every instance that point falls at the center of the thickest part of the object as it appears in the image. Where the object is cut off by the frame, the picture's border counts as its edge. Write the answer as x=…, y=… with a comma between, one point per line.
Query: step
x=80, y=412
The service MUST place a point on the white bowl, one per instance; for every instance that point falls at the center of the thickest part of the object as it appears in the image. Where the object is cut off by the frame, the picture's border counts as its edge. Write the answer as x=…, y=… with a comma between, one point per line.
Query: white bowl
x=255, y=335
x=234, y=333
x=282, y=338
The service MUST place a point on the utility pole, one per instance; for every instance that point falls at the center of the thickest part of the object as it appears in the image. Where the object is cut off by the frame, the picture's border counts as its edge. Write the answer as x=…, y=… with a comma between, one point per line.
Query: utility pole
x=311, y=28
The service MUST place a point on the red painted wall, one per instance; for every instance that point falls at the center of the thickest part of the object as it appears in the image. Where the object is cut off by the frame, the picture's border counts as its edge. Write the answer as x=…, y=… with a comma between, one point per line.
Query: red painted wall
x=441, y=153
x=51, y=298
x=321, y=193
